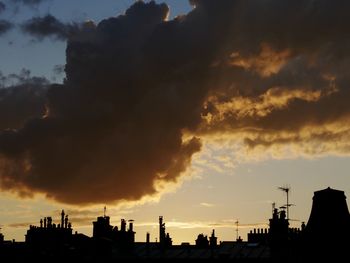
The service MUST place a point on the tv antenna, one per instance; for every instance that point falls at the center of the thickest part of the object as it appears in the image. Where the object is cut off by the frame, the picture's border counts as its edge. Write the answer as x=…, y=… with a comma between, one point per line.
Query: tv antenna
x=286, y=190
x=237, y=229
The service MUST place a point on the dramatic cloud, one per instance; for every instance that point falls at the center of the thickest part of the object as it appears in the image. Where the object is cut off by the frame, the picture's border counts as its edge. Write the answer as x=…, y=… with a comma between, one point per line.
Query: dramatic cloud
x=116, y=149
x=49, y=26
x=5, y=26
x=2, y=7
x=141, y=90
x=22, y=97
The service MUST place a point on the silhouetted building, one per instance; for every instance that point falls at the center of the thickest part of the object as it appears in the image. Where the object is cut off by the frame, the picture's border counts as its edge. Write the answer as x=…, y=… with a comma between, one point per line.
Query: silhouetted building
x=50, y=234
x=325, y=237
x=102, y=229
x=278, y=237
x=329, y=218
x=278, y=232
x=164, y=239
x=279, y=226
x=327, y=232
x=258, y=235
x=213, y=240
x=202, y=241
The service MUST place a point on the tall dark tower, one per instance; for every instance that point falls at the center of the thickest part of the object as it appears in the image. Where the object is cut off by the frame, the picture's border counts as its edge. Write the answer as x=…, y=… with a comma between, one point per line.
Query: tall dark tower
x=328, y=227
x=329, y=218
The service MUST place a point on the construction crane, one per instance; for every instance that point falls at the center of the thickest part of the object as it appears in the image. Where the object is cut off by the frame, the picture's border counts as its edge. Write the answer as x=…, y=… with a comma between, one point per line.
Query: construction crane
x=286, y=190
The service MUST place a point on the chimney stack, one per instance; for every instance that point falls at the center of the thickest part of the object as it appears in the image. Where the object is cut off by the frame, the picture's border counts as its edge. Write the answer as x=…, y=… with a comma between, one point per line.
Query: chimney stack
x=147, y=237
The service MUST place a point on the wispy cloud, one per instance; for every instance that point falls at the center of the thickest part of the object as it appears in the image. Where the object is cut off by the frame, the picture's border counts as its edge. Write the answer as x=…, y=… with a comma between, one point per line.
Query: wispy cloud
x=79, y=221
x=206, y=204
x=204, y=224
x=21, y=225
x=49, y=26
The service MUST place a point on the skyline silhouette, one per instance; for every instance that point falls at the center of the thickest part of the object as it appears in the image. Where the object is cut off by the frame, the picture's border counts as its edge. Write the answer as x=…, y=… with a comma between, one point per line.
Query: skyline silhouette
x=328, y=205
x=234, y=225
x=278, y=242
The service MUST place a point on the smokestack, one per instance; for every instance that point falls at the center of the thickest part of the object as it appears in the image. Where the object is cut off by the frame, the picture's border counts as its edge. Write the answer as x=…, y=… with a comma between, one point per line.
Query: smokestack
x=123, y=225
x=44, y=222
x=147, y=237
x=131, y=225
x=49, y=222
x=62, y=219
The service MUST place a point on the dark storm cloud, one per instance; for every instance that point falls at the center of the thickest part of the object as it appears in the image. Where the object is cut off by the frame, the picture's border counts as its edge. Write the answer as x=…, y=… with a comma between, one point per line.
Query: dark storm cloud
x=140, y=90
x=5, y=26
x=49, y=26
x=97, y=132
x=2, y=7
x=22, y=98
x=288, y=80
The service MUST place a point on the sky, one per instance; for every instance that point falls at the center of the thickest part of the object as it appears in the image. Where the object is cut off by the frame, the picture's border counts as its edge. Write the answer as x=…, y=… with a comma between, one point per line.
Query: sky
x=197, y=111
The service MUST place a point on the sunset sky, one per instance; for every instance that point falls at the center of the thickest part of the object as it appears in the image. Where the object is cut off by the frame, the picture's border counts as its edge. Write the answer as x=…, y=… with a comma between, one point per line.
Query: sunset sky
x=194, y=110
